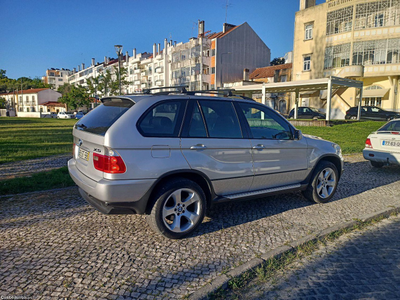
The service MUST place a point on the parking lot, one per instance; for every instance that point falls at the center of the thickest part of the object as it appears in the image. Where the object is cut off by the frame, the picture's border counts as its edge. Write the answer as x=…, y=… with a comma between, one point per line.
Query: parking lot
x=53, y=244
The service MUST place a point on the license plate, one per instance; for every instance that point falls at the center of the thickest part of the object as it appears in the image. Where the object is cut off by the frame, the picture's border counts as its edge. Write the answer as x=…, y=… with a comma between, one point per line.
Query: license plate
x=83, y=154
x=391, y=143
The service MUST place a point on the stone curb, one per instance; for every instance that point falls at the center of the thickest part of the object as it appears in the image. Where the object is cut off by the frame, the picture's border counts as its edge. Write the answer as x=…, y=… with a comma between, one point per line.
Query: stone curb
x=222, y=280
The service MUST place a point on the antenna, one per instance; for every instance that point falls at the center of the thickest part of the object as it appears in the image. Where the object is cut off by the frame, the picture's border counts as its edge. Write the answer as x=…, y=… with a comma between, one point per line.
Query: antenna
x=226, y=10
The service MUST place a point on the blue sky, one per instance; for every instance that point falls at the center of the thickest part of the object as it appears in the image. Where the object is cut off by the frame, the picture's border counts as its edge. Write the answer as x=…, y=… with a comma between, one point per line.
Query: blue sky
x=39, y=34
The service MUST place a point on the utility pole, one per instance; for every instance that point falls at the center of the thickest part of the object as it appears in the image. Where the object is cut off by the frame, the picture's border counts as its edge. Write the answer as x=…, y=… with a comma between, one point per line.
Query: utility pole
x=118, y=49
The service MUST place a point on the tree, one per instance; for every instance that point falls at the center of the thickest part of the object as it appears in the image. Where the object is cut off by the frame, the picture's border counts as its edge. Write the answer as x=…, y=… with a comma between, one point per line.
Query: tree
x=2, y=102
x=3, y=74
x=277, y=61
x=74, y=97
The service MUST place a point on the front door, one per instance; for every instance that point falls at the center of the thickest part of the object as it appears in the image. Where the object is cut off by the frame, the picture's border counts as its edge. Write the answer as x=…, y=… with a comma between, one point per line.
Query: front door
x=278, y=159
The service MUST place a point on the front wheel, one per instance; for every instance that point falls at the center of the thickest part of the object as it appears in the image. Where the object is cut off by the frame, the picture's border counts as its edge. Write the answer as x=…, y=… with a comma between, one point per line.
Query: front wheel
x=179, y=208
x=323, y=183
x=353, y=118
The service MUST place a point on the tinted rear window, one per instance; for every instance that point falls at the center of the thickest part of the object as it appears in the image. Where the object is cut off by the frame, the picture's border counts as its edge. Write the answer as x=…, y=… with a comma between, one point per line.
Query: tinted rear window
x=102, y=117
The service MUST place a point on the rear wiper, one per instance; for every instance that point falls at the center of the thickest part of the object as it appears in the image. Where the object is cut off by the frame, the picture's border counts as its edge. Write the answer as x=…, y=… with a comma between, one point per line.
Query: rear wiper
x=81, y=126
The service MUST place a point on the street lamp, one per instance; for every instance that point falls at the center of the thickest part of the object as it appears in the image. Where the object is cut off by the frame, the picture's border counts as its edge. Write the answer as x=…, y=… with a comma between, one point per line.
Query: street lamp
x=118, y=49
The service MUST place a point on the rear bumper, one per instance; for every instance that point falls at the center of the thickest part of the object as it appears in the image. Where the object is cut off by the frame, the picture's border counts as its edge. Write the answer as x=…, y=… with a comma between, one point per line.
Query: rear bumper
x=113, y=196
x=383, y=157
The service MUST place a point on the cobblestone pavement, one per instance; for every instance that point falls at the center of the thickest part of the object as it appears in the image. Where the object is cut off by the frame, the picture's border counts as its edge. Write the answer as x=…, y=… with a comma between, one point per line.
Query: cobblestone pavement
x=52, y=244
x=28, y=167
x=360, y=265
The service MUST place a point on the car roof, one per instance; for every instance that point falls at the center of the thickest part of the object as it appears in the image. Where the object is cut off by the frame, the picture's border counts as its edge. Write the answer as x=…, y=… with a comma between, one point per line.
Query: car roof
x=155, y=98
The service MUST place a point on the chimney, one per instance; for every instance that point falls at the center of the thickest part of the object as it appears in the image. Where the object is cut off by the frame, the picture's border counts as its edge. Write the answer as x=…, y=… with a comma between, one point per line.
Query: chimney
x=79, y=68
x=74, y=70
x=246, y=74
x=165, y=46
x=306, y=4
x=201, y=28
x=159, y=49
x=83, y=66
x=227, y=26
x=134, y=53
x=105, y=59
x=154, y=50
x=127, y=57
x=93, y=62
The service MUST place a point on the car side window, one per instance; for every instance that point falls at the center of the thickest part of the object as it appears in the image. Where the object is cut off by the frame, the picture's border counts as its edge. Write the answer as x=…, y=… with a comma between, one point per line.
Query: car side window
x=163, y=120
x=196, y=126
x=264, y=124
x=375, y=109
x=221, y=119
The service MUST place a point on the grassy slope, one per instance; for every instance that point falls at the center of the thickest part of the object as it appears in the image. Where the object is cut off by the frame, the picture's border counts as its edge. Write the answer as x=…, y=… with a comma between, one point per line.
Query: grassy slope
x=26, y=138
x=350, y=136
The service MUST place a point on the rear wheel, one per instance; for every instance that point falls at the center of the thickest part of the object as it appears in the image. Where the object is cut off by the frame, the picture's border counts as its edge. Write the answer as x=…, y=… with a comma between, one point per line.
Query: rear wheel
x=376, y=164
x=179, y=208
x=353, y=118
x=323, y=183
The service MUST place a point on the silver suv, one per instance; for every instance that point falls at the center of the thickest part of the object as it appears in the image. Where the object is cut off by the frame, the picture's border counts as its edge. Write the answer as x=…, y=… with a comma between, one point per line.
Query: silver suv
x=172, y=155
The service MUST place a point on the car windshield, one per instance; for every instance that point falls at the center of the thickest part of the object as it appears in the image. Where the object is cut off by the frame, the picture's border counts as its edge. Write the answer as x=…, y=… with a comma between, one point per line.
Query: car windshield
x=391, y=126
x=102, y=117
x=314, y=109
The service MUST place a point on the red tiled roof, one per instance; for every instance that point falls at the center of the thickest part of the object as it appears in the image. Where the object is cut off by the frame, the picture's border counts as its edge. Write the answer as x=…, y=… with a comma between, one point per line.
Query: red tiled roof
x=268, y=71
x=53, y=103
x=32, y=91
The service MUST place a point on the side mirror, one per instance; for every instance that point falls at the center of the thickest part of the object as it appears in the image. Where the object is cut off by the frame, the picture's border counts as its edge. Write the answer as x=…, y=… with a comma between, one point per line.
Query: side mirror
x=297, y=135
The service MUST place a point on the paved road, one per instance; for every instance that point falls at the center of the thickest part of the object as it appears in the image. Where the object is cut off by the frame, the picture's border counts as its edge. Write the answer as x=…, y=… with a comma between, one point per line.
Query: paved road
x=52, y=244
x=360, y=265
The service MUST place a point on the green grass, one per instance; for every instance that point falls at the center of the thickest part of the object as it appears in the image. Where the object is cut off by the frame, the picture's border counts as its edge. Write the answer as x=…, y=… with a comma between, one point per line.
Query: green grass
x=350, y=136
x=53, y=179
x=27, y=138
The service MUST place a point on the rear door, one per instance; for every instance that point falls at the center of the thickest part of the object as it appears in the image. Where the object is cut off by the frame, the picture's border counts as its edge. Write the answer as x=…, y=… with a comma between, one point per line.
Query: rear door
x=213, y=143
x=278, y=159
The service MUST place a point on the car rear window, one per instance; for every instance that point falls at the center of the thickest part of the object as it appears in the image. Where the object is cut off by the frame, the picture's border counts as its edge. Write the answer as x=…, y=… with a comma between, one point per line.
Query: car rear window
x=102, y=117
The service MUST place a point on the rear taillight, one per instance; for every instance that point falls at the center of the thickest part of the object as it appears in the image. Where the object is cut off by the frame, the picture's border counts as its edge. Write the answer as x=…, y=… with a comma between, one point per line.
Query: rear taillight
x=109, y=164
x=368, y=143
x=395, y=132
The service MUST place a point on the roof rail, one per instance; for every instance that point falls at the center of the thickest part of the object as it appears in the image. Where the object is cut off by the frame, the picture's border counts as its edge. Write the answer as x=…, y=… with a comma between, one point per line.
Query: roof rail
x=182, y=89
x=178, y=89
x=222, y=92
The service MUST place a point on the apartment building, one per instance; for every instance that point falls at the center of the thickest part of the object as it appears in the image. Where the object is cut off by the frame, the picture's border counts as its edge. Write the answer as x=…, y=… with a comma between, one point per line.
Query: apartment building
x=355, y=39
x=204, y=62
x=56, y=77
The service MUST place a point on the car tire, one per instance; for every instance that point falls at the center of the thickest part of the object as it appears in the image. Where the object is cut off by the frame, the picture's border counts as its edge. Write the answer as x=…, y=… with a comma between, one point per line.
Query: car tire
x=353, y=118
x=389, y=118
x=323, y=183
x=179, y=208
x=376, y=164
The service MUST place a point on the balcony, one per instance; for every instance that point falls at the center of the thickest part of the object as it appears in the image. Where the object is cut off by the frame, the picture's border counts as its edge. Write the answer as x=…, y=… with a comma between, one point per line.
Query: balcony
x=382, y=70
x=137, y=71
x=159, y=83
x=346, y=72
x=159, y=70
x=136, y=82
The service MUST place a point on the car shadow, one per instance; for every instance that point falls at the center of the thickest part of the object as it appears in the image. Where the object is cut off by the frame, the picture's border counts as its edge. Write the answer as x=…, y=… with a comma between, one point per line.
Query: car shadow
x=357, y=178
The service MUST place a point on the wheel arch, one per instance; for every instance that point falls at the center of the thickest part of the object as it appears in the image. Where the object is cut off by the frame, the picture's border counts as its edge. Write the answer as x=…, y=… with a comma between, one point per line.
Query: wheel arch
x=331, y=158
x=201, y=179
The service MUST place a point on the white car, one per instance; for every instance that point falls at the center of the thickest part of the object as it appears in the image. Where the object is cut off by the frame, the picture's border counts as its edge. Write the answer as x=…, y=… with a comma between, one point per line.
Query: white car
x=65, y=115
x=382, y=147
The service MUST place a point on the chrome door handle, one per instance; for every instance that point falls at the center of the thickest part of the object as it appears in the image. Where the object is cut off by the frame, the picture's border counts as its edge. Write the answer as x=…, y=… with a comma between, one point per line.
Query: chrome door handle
x=258, y=147
x=198, y=147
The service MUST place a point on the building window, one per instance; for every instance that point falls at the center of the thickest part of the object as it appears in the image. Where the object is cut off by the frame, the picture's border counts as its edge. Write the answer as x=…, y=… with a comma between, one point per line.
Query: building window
x=307, y=63
x=337, y=56
x=376, y=52
x=373, y=101
x=308, y=32
x=377, y=14
x=213, y=70
x=340, y=20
